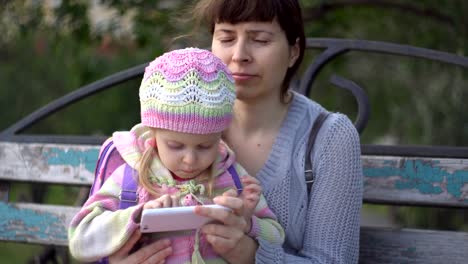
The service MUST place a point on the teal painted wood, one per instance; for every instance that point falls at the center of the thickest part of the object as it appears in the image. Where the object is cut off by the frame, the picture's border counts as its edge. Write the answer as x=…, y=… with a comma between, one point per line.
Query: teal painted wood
x=397, y=180
x=49, y=163
x=413, y=180
x=400, y=180
x=33, y=223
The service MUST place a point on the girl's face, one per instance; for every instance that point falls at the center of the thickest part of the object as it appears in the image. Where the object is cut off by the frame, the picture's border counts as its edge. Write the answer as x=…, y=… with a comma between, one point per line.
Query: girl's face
x=257, y=53
x=187, y=155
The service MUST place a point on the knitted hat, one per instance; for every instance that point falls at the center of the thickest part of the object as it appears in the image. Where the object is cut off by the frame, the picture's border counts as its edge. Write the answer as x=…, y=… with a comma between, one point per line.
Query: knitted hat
x=187, y=90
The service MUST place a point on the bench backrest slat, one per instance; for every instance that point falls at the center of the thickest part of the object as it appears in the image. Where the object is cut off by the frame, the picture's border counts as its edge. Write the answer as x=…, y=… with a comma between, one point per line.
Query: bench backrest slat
x=415, y=246
x=47, y=225
x=48, y=163
x=391, y=180
x=416, y=181
x=35, y=223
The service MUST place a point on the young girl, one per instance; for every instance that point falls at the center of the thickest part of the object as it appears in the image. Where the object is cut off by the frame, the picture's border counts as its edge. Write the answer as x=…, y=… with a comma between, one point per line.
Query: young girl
x=186, y=101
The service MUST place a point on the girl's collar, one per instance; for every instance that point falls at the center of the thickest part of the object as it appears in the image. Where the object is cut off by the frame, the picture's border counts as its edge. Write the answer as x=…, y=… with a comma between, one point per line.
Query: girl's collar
x=180, y=179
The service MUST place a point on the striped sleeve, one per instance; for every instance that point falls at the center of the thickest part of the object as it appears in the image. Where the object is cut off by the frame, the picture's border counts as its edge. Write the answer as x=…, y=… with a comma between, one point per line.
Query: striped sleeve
x=100, y=228
x=265, y=225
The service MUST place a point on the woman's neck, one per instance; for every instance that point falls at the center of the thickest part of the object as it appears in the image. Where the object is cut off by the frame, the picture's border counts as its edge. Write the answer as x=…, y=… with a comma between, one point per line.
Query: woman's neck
x=260, y=115
x=253, y=130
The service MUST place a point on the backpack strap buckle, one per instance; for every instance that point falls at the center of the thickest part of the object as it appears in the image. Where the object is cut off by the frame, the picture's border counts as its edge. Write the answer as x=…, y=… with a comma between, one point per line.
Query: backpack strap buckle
x=128, y=196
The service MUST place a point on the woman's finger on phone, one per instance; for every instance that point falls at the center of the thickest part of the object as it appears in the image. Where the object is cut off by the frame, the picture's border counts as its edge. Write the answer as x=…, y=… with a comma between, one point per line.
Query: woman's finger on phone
x=222, y=238
x=153, y=253
x=222, y=231
x=233, y=202
x=228, y=199
x=221, y=245
x=227, y=218
x=214, y=213
x=125, y=249
x=157, y=251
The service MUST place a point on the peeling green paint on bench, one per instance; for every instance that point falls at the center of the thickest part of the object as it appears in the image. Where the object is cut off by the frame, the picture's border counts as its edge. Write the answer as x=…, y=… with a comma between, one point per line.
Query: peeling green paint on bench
x=422, y=175
x=456, y=181
x=57, y=156
x=23, y=224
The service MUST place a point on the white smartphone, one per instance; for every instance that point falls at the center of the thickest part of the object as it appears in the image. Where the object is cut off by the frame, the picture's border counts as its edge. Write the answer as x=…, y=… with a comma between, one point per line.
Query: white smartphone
x=174, y=218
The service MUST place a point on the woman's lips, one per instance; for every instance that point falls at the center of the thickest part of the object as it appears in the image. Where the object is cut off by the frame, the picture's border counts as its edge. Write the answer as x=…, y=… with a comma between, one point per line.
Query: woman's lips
x=239, y=77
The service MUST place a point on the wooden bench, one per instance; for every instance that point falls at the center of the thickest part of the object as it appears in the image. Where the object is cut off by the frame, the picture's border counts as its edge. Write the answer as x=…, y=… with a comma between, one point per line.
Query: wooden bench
x=395, y=175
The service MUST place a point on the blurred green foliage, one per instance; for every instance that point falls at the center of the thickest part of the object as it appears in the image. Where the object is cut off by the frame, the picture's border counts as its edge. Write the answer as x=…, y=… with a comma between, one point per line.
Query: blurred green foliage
x=49, y=49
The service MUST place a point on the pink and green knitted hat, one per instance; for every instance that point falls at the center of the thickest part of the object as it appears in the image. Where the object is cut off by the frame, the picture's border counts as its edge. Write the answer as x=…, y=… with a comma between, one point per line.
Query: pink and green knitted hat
x=187, y=90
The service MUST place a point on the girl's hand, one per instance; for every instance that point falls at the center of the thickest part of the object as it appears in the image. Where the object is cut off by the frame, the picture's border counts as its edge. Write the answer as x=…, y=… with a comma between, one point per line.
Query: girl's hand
x=164, y=201
x=156, y=252
x=227, y=236
x=250, y=195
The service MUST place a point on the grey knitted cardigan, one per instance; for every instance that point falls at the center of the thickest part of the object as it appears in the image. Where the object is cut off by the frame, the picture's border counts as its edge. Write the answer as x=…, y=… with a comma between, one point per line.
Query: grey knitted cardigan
x=326, y=230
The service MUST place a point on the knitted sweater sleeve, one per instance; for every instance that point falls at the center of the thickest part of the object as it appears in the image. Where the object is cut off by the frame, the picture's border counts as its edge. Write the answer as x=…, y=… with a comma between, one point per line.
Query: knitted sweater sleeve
x=100, y=228
x=331, y=232
x=265, y=225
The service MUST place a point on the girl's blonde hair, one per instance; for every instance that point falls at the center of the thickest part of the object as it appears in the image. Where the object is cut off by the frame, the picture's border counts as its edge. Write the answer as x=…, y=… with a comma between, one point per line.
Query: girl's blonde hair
x=143, y=168
x=186, y=90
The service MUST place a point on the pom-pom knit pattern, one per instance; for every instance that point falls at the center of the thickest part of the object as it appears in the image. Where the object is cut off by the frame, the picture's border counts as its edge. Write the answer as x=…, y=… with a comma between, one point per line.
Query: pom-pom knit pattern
x=188, y=90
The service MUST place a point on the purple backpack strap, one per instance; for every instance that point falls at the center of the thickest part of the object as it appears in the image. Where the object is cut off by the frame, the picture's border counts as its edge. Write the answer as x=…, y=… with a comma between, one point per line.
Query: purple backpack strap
x=235, y=178
x=103, y=261
x=128, y=195
x=103, y=157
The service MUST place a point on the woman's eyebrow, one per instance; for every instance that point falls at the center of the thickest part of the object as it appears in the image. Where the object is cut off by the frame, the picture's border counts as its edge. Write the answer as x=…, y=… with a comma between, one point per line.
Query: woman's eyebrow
x=249, y=31
x=223, y=30
x=258, y=31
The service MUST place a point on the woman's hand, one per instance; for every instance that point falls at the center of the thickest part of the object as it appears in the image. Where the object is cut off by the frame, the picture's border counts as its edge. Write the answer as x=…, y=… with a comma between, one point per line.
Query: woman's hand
x=228, y=239
x=155, y=252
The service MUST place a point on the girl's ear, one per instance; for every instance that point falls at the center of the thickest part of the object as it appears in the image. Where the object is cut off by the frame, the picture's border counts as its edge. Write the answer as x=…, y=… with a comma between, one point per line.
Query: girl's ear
x=294, y=53
x=150, y=143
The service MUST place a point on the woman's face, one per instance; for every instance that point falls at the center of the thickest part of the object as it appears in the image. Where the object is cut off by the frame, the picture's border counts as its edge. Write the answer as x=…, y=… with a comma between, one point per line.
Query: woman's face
x=258, y=55
x=187, y=155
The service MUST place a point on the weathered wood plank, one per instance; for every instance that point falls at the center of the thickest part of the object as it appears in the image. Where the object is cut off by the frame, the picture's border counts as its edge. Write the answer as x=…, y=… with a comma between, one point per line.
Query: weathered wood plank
x=41, y=224
x=386, y=245
x=49, y=163
x=397, y=180
x=34, y=223
x=413, y=180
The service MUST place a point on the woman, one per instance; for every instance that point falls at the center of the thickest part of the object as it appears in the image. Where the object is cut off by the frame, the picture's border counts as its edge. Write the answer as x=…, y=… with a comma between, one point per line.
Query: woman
x=263, y=42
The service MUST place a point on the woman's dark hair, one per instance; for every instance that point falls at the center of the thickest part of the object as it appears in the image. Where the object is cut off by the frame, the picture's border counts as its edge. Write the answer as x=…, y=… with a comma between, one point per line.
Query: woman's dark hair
x=287, y=13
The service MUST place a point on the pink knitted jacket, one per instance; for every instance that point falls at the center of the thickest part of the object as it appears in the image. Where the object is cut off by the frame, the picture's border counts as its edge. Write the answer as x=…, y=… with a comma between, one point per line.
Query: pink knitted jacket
x=100, y=228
